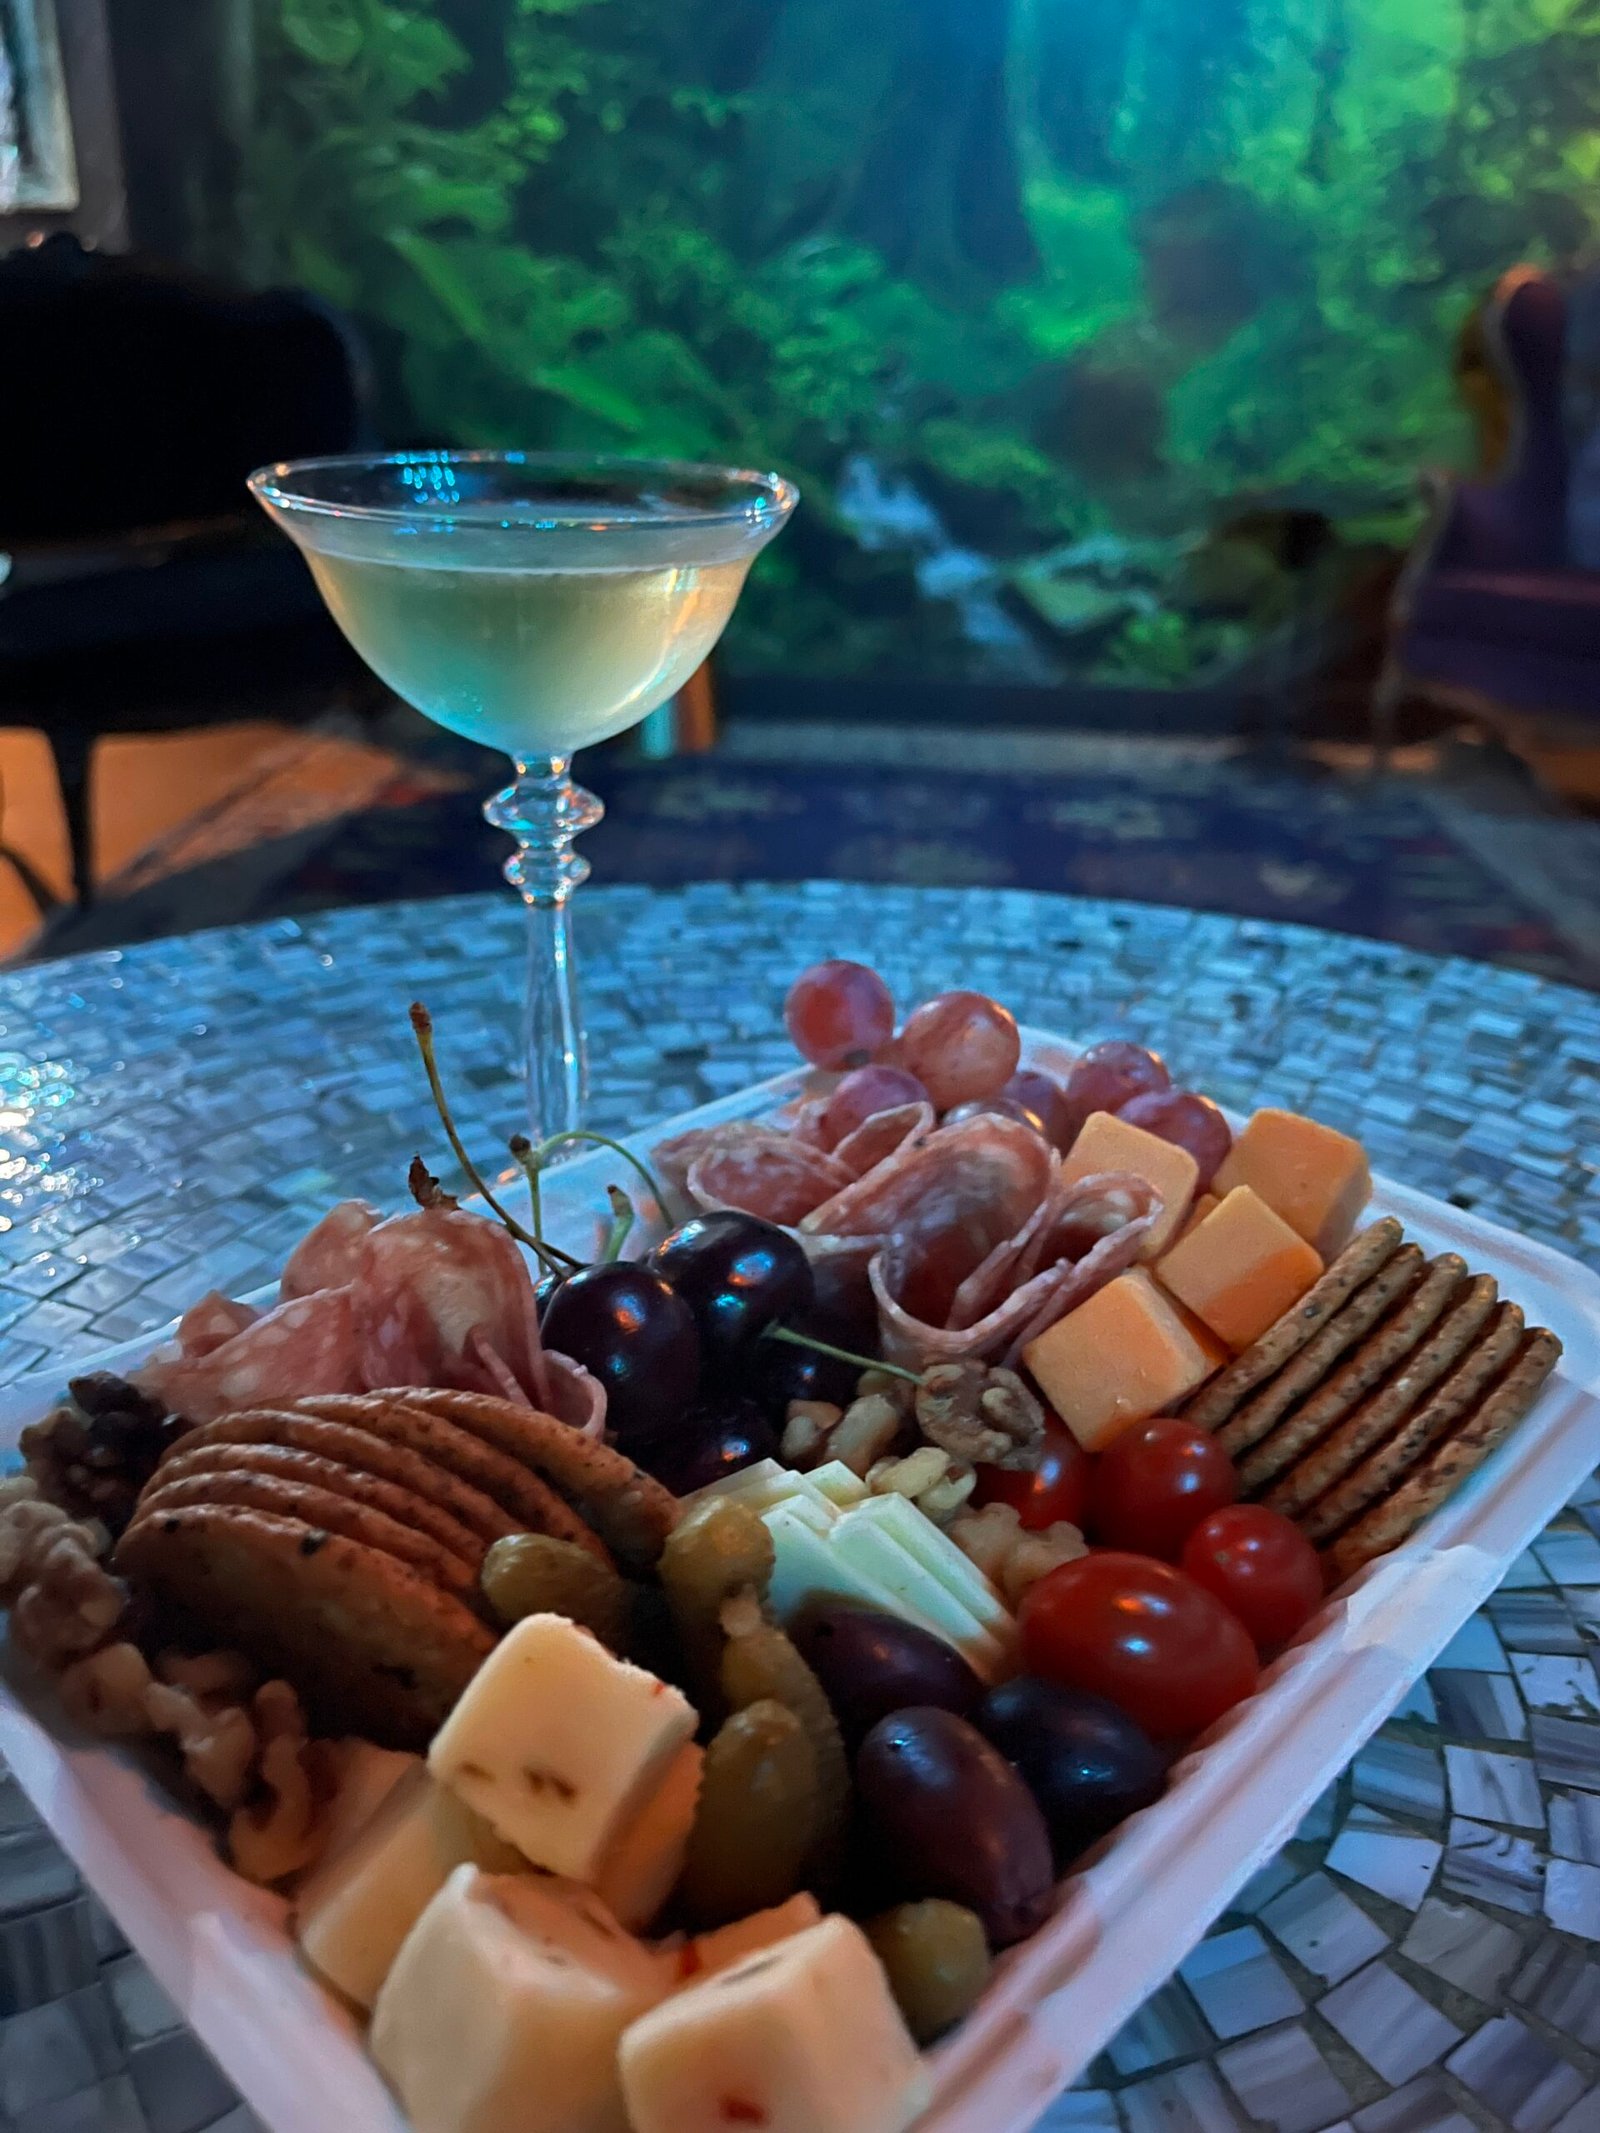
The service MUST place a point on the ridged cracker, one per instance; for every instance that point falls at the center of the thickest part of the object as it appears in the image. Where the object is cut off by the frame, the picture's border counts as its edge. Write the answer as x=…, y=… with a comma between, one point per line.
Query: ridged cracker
x=374, y=1649
x=1385, y=1349
x=327, y=1508
x=1467, y=1446
x=400, y=1418
x=1361, y=1432
x=1358, y=1262
x=630, y=1508
x=358, y=1448
x=1304, y=1372
x=1392, y=1461
x=422, y=1513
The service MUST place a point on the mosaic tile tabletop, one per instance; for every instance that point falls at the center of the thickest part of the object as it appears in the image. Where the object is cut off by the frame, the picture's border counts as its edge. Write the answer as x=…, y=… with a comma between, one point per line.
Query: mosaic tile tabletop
x=1424, y=1955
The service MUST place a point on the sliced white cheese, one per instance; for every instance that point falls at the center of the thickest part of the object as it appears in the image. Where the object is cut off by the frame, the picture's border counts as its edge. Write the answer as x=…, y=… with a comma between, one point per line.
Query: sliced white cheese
x=351, y=1915
x=557, y=1743
x=841, y=1484
x=641, y=1870
x=504, y=2008
x=939, y=1555
x=799, y=2038
x=764, y=1483
x=869, y=1544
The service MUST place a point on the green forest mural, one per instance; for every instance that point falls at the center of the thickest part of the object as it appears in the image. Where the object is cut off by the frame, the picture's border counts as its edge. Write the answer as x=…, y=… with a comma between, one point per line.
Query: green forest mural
x=1034, y=297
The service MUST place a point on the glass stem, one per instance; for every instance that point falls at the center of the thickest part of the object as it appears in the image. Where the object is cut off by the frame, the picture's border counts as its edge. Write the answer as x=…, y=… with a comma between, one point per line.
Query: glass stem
x=545, y=811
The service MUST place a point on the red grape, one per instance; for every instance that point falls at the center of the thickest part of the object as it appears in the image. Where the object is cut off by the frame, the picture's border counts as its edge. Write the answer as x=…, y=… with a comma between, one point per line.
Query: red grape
x=1107, y=1076
x=996, y=1107
x=1260, y=1566
x=960, y=1045
x=1155, y=1483
x=863, y=1093
x=838, y=1014
x=1046, y=1099
x=1191, y=1121
x=1142, y=1635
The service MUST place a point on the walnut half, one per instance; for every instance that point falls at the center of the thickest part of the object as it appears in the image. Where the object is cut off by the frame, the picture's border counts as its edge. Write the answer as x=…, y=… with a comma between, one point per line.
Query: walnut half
x=984, y=1416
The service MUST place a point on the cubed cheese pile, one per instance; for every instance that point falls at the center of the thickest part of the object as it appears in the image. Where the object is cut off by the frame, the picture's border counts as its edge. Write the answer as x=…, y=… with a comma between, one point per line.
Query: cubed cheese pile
x=832, y=1538
x=1219, y=1268
x=488, y=1911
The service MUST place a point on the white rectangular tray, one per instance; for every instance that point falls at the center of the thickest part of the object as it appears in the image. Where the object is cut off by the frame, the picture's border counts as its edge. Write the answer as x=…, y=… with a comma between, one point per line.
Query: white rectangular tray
x=1127, y=1920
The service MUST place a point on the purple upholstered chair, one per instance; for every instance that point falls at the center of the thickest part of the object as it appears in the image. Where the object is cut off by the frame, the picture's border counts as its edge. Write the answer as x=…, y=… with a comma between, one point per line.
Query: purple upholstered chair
x=1496, y=609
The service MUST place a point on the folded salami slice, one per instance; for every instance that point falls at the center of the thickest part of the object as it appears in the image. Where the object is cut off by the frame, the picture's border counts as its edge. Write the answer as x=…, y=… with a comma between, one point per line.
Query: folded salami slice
x=216, y=1318
x=771, y=1175
x=444, y=1297
x=1079, y=1238
x=984, y=1177
x=307, y=1345
x=674, y=1159
x=328, y=1255
x=884, y=1135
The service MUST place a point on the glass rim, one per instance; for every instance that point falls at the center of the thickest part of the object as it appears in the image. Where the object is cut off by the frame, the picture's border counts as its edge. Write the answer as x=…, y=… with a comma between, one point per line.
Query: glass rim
x=776, y=497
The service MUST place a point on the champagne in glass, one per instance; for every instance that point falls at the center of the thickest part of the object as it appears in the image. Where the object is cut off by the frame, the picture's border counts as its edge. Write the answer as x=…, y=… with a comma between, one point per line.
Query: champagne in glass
x=535, y=603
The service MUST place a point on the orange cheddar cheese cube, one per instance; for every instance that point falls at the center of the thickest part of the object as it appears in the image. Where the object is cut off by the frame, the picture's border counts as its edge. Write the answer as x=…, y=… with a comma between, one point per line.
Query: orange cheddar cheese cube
x=1239, y=1268
x=1204, y=1202
x=1126, y=1354
x=1317, y=1179
x=1107, y=1143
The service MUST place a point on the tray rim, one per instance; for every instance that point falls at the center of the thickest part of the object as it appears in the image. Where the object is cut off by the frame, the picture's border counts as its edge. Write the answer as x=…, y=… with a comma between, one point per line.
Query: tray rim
x=1009, y=2058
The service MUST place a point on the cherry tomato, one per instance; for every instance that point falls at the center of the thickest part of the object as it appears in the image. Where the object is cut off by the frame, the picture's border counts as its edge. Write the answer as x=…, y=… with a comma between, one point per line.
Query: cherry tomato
x=1058, y=1487
x=1155, y=1483
x=1141, y=1634
x=1259, y=1566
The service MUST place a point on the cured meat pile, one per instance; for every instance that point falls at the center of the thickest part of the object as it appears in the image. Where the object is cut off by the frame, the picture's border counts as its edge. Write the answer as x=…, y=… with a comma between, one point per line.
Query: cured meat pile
x=968, y=1234
x=434, y=1297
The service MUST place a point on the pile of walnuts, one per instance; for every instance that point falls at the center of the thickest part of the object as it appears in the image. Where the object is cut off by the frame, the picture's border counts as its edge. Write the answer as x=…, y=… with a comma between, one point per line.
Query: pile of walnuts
x=242, y=1742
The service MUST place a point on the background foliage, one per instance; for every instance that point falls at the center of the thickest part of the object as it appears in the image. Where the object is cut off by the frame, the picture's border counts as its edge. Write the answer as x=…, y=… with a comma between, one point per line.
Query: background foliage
x=1029, y=294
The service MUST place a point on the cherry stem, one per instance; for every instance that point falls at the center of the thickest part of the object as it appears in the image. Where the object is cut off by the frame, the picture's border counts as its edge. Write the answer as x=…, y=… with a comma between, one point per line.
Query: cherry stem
x=422, y=1029
x=523, y=1153
x=622, y=1221
x=843, y=1355
x=547, y=1148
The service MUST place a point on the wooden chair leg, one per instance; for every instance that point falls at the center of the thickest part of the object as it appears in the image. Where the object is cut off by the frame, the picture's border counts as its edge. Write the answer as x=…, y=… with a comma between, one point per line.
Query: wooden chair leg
x=73, y=750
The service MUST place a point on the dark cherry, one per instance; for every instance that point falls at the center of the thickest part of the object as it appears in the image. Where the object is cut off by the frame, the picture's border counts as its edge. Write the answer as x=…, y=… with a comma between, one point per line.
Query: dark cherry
x=544, y=1290
x=777, y=1372
x=737, y=1274
x=709, y=1443
x=632, y=1331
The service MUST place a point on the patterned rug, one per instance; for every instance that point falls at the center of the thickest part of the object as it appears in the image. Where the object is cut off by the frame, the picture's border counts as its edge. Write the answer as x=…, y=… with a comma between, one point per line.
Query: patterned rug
x=1213, y=831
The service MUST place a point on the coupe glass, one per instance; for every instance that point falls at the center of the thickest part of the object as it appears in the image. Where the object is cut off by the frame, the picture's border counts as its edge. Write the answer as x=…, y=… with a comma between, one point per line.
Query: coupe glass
x=534, y=602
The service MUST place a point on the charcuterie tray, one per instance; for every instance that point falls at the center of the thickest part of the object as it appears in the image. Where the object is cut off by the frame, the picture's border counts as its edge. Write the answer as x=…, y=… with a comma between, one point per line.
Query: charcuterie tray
x=1127, y=1917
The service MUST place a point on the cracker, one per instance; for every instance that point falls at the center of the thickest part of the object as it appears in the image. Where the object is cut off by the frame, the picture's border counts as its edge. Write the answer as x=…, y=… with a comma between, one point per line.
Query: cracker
x=630, y=1508
x=353, y=1447
x=1359, y=1433
x=1306, y=1371
x=397, y=1418
x=333, y=1512
x=1464, y=1449
x=1387, y=1466
x=1284, y=1339
x=1388, y=1346
x=419, y=1512
x=373, y=1648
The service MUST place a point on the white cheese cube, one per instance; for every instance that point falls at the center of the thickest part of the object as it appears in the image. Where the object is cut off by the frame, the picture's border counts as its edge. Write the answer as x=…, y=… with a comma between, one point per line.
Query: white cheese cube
x=353, y=1912
x=800, y=2038
x=504, y=2007
x=557, y=1743
x=641, y=1869
x=366, y=1777
x=706, y=1953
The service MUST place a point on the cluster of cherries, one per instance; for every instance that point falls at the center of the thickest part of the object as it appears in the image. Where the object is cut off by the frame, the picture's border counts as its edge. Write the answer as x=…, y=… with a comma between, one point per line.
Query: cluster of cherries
x=701, y=1345
x=960, y=1052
